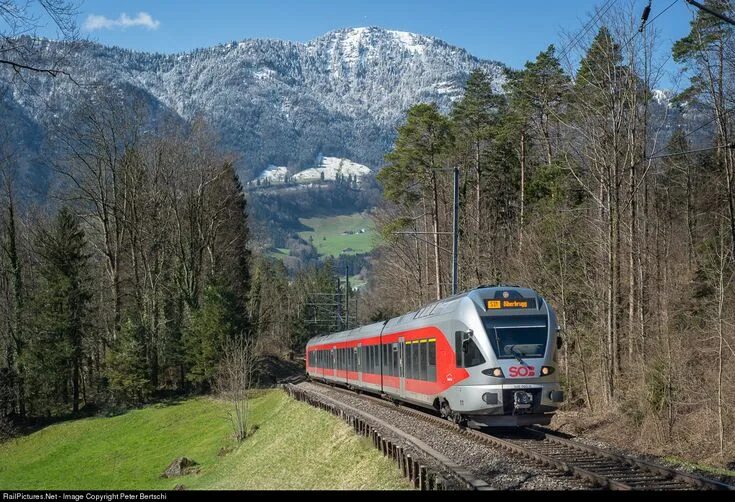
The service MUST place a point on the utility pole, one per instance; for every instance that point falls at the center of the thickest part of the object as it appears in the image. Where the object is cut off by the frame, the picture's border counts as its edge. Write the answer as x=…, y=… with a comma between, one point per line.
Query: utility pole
x=347, y=296
x=710, y=11
x=455, y=232
x=340, y=322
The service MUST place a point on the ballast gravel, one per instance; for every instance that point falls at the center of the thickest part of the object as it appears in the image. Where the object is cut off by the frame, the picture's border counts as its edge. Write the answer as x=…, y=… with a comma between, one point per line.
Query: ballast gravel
x=498, y=469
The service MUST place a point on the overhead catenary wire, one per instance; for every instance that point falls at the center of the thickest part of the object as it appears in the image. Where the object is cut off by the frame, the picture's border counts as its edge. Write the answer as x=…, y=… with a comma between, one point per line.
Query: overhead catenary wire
x=575, y=40
x=689, y=133
x=646, y=24
x=689, y=152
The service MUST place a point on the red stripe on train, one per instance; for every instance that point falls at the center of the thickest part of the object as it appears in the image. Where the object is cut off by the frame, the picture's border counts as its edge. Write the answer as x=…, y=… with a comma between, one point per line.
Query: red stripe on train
x=446, y=370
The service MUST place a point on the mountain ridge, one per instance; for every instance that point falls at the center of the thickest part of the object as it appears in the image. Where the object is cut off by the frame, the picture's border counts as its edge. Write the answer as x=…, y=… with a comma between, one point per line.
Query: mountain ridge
x=275, y=102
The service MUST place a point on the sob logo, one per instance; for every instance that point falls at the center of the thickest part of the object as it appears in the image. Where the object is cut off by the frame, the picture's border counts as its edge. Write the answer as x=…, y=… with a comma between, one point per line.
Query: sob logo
x=522, y=371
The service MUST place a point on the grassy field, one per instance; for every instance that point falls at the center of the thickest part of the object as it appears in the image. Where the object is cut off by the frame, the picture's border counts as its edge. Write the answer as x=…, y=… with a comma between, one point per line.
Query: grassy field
x=130, y=451
x=329, y=235
x=278, y=253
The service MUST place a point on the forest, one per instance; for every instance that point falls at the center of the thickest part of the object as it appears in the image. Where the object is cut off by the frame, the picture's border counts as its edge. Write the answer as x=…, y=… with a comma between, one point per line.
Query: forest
x=623, y=221
x=573, y=182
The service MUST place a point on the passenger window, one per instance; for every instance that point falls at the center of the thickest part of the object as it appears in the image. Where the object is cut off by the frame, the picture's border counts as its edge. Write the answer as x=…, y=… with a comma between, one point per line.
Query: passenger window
x=407, y=360
x=423, y=360
x=431, y=346
x=467, y=352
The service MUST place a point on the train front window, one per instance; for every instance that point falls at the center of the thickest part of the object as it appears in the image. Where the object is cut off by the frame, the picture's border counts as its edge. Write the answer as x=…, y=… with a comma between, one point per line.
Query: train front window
x=517, y=338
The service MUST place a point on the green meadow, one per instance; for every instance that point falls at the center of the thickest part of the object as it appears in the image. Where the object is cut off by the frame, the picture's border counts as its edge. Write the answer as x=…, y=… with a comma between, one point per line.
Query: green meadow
x=295, y=446
x=335, y=235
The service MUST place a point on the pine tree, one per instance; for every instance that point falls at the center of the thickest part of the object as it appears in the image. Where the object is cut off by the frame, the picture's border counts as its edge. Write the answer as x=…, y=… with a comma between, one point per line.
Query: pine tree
x=474, y=120
x=211, y=324
x=709, y=51
x=126, y=370
x=62, y=306
x=411, y=177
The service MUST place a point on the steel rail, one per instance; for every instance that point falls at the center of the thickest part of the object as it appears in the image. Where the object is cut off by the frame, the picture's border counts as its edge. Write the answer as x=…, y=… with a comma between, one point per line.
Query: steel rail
x=465, y=477
x=693, y=479
x=596, y=470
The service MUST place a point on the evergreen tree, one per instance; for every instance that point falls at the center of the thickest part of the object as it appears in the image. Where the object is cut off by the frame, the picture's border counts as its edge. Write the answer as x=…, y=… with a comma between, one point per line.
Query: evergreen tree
x=475, y=120
x=708, y=51
x=410, y=179
x=211, y=324
x=62, y=309
x=126, y=370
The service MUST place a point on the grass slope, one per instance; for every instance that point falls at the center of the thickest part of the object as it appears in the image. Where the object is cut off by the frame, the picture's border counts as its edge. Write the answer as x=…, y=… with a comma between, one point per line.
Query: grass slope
x=130, y=451
x=328, y=234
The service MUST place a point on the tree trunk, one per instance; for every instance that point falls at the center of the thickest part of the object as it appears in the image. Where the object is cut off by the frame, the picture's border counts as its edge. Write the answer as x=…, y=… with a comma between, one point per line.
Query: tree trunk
x=523, y=188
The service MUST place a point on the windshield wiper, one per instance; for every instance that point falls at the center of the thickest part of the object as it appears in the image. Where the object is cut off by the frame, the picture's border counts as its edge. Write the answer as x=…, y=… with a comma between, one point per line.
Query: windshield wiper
x=497, y=340
x=517, y=353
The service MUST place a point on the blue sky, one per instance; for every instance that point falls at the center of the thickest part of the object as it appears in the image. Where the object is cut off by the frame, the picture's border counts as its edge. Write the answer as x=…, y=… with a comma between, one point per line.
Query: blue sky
x=511, y=31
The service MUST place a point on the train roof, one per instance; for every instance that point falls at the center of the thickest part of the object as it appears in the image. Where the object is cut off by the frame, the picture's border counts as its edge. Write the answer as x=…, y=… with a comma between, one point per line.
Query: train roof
x=434, y=309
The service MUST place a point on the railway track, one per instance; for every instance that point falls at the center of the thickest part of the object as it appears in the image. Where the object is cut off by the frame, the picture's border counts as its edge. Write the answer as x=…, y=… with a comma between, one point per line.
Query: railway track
x=443, y=474
x=598, y=467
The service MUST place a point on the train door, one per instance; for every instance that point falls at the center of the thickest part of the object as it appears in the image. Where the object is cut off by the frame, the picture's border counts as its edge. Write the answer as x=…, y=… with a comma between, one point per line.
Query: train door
x=353, y=362
x=401, y=365
x=358, y=362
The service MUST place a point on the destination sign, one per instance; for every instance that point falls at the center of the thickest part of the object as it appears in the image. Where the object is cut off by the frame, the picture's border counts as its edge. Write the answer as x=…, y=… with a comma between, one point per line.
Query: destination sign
x=510, y=304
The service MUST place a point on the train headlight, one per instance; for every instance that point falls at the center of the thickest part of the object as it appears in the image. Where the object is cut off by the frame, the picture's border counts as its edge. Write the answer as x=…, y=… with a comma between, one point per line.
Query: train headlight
x=547, y=370
x=495, y=372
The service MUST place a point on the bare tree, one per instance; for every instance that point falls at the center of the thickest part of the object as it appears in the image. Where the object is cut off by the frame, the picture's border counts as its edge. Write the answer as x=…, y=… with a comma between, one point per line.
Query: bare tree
x=234, y=380
x=19, y=22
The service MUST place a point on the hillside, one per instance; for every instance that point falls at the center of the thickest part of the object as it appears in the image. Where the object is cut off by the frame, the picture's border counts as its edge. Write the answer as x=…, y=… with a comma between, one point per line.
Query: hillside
x=130, y=451
x=328, y=169
x=342, y=234
x=273, y=102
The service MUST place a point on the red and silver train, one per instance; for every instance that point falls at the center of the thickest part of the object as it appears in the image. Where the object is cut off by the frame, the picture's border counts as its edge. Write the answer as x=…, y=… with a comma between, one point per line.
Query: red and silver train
x=486, y=357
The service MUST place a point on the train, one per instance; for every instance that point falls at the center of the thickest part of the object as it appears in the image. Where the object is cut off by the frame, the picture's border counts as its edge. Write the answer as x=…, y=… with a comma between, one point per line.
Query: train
x=483, y=358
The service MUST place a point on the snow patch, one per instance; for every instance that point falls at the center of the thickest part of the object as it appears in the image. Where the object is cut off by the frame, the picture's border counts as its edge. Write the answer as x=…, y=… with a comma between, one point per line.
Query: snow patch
x=264, y=74
x=331, y=167
x=446, y=88
x=273, y=174
x=410, y=41
x=351, y=44
x=663, y=96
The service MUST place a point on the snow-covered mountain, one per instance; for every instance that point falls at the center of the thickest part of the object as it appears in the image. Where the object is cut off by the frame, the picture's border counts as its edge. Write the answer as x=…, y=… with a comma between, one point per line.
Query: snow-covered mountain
x=276, y=102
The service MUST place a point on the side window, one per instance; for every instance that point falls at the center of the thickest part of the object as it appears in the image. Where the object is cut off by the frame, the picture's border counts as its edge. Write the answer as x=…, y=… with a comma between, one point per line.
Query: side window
x=407, y=360
x=423, y=360
x=431, y=346
x=467, y=352
x=416, y=360
x=458, y=338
